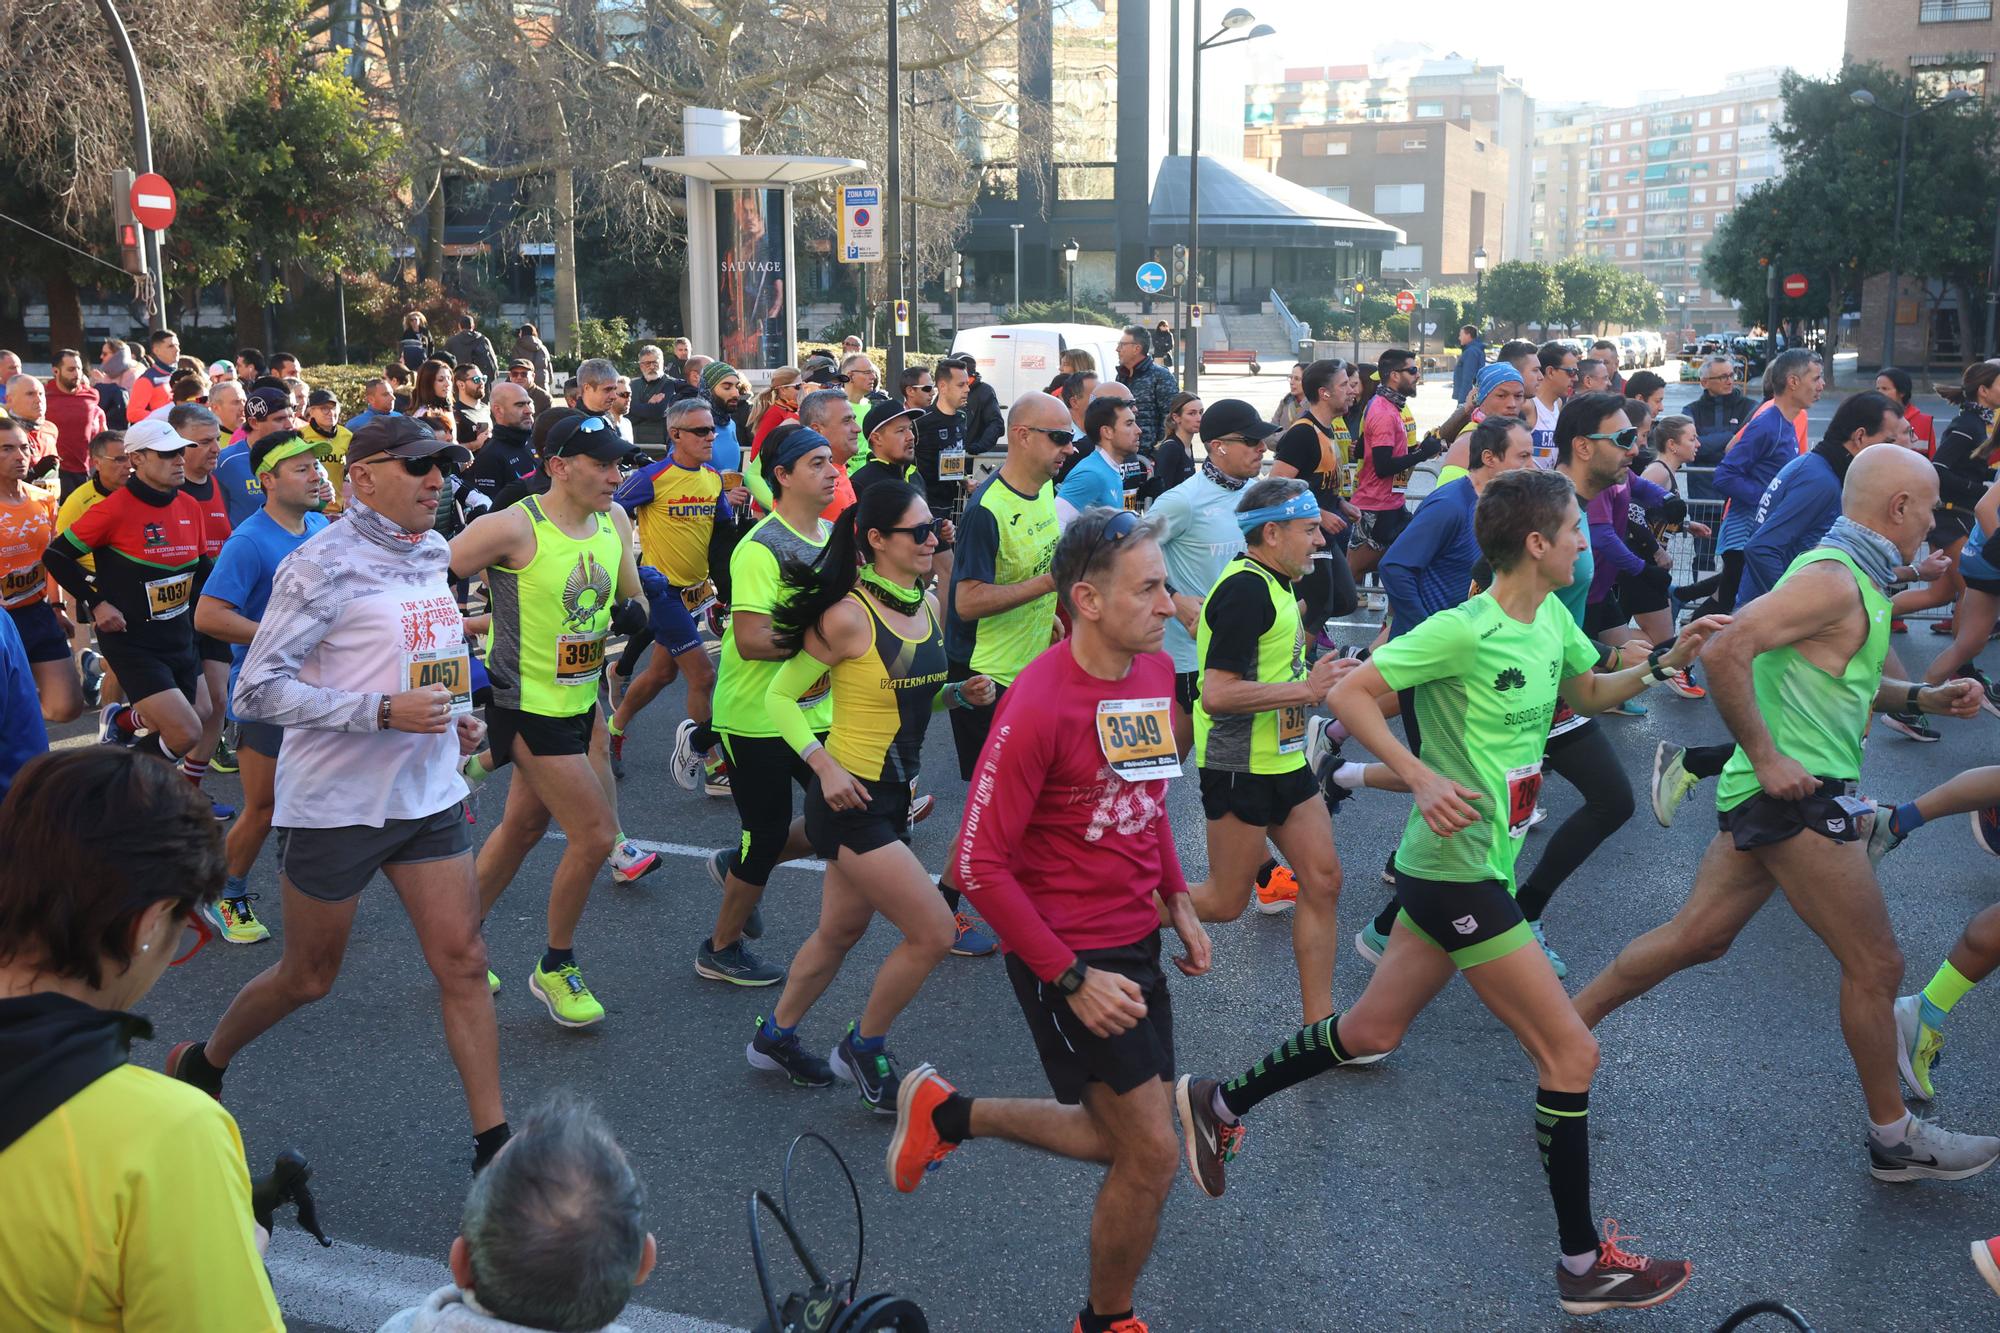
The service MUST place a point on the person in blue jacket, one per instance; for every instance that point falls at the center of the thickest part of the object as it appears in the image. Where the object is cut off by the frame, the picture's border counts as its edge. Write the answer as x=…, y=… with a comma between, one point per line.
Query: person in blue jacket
x=22, y=734
x=1803, y=500
x=1428, y=568
x=1767, y=443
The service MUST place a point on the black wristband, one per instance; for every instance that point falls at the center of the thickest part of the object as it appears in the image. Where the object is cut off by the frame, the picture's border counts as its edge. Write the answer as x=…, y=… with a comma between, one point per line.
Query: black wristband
x=1910, y=699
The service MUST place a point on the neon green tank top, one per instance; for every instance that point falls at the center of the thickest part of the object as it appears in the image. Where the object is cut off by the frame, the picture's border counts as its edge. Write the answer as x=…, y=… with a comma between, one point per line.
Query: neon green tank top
x=882, y=700
x=551, y=616
x=1269, y=742
x=1815, y=718
x=757, y=584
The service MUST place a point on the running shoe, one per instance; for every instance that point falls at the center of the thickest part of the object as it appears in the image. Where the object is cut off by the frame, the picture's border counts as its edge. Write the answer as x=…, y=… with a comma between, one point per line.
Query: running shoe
x=631, y=862
x=1947, y=627
x=1549, y=951
x=1898, y=625
x=1882, y=836
x=1211, y=1144
x=715, y=782
x=234, y=921
x=1989, y=694
x=223, y=813
x=1911, y=725
x=93, y=678
x=1277, y=891
x=616, y=683
x=1369, y=943
x=972, y=938
x=1931, y=1152
x=916, y=1148
x=108, y=731
x=1630, y=708
x=178, y=1067
x=788, y=1057
x=617, y=753
x=1318, y=748
x=1918, y=1046
x=224, y=758
x=565, y=995
x=1986, y=829
x=1129, y=1324
x=1537, y=819
x=921, y=807
x=1620, y=1280
x=492, y=981
x=718, y=870
x=1682, y=683
x=686, y=765
x=1671, y=782
x=473, y=781
x=875, y=1075
x=1986, y=1258
x=736, y=965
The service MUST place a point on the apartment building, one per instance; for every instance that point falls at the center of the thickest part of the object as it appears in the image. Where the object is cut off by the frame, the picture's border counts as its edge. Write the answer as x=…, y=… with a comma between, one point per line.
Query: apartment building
x=1558, y=180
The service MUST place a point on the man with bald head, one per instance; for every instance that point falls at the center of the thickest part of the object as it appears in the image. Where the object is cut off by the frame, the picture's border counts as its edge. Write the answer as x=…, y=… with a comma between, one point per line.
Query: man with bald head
x=508, y=456
x=1002, y=610
x=1796, y=677
x=27, y=403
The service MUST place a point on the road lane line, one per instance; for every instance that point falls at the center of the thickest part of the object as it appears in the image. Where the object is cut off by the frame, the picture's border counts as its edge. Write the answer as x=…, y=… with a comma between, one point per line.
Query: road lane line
x=694, y=853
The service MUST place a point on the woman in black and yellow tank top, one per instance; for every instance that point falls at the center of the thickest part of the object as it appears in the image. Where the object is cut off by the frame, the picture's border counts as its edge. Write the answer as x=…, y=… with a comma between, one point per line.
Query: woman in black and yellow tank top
x=860, y=621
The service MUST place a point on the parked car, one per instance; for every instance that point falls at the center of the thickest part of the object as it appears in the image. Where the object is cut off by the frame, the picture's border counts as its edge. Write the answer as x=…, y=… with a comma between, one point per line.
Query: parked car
x=1656, y=348
x=1631, y=351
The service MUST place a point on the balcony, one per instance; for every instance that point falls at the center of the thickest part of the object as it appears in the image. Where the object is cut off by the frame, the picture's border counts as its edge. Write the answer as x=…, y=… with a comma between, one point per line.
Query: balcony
x=1954, y=11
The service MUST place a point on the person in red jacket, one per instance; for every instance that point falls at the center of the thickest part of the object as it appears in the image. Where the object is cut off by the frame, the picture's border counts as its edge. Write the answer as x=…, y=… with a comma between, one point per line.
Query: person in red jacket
x=152, y=388
x=74, y=408
x=1067, y=853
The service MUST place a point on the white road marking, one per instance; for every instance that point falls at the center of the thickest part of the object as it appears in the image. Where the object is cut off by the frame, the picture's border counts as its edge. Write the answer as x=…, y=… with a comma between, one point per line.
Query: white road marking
x=696, y=853
x=356, y=1287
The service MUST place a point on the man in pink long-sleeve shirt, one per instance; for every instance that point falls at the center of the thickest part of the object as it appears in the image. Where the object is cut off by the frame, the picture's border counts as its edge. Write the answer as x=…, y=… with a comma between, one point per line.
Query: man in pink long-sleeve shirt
x=1065, y=848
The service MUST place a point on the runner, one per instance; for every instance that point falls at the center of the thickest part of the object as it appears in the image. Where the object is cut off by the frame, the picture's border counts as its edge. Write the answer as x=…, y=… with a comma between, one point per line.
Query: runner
x=941, y=452
x=109, y=471
x=227, y=610
x=1796, y=679
x=861, y=620
x=322, y=426
x=1066, y=845
x=203, y=433
x=1250, y=733
x=267, y=409
x=1770, y=439
x=1390, y=451
x=1104, y=475
x=687, y=524
x=27, y=526
x=762, y=767
x=1486, y=675
x=1558, y=383
x=367, y=779
x=147, y=540
x=554, y=565
x=1002, y=608
x=888, y=432
x=1318, y=448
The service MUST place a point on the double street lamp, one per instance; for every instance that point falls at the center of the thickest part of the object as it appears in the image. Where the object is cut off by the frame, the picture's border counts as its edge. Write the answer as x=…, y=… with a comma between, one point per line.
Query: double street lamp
x=1234, y=21
x=1864, y=98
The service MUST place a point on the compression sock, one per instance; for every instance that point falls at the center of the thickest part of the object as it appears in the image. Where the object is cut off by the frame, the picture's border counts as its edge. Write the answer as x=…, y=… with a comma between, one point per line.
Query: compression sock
x=952, y=1118
x=1562, y=1127
x=1946, y=989
x=951, y=894
x=553, y=958
x=1705, y=761
x=1905, y=820
x=1313, y=1049
x=1089, y=1321
x=487, y=1143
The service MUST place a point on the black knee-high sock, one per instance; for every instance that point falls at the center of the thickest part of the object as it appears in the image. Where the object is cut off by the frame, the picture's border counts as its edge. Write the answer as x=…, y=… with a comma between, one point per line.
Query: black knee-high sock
x=1562, y=1127
x=951, y=895
x=1313, y=1049
x=1385, y=920
x=1706, y=761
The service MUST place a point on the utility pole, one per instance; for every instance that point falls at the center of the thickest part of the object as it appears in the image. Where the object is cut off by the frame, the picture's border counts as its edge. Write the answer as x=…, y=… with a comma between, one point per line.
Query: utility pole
x=893, y=223
x=142, y=151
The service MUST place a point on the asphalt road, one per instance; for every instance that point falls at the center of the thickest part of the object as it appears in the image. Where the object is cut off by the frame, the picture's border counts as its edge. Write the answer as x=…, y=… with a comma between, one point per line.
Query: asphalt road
x=1726, y=1122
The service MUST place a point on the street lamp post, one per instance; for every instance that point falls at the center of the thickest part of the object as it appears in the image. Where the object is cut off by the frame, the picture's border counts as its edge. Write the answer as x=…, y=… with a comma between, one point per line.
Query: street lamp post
x=1479, y=281
x=1863, y=97
x=1017, y=264
x=1231, y=22
x=957, y=286
x=1070, y=250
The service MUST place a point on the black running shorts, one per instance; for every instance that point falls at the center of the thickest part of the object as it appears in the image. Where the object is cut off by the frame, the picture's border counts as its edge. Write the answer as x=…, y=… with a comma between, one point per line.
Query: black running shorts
x=1761, y=820
x=211, y=649
x=1072, y=1055
x=884, y=820
x=762, y=770
x=1472, y=922
x=145, y=672
x=1380, y=527
x=41, y=632
x=544, y=736
x=1261, y=800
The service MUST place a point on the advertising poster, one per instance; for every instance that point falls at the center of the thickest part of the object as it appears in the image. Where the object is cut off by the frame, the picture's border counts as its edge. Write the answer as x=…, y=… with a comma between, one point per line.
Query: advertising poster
x=752, y=275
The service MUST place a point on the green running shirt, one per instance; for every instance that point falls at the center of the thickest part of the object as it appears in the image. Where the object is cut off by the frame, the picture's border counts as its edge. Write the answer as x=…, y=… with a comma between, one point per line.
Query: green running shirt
x=1814, y=718
x=550, y=619
x=1486, y=687
x=1257, y=613
x=1004, y=537
x=755, y=585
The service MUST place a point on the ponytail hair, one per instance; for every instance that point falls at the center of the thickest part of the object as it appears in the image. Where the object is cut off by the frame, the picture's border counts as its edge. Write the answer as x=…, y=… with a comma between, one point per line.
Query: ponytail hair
x=813, y=590
x=1978, y=375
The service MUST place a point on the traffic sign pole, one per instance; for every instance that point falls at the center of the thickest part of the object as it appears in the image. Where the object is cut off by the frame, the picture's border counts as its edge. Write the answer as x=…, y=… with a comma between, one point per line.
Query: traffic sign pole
x=142, y=150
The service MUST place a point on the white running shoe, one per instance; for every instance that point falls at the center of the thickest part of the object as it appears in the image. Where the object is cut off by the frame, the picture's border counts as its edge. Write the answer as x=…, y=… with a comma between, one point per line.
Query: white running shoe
x=630, y=861
x=686, y=764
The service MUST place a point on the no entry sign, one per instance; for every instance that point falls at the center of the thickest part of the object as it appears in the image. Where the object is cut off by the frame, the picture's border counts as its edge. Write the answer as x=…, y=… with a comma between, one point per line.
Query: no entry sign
x=1406, y=301
x=153, y=202
x=1795, y=285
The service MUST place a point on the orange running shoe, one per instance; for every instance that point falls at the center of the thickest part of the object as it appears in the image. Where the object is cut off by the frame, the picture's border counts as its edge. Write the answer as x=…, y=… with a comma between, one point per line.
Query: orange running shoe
x=1133, y=1324
x=1986, y=1258
x=1279, y=893
x=916, y=1148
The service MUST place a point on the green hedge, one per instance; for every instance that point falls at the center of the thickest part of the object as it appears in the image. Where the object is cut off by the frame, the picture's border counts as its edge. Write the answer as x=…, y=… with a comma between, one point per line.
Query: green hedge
x=345, y=381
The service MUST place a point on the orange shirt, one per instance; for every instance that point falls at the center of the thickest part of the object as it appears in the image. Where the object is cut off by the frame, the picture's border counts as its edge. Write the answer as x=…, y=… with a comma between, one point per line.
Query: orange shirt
x=27, y=526
x=843, y=496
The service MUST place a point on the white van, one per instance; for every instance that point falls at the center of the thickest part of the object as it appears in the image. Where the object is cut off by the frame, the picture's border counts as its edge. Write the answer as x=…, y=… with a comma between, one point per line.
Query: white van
x=1017, y=358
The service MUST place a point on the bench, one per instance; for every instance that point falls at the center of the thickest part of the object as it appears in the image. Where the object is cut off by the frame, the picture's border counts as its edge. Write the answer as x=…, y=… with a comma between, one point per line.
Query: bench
x=1227, y=357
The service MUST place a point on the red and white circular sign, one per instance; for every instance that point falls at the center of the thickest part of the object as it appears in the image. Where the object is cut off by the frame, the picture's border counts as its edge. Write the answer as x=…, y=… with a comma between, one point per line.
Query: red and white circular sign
x=1406, y=301
x=153, y=202
x=1795, y=285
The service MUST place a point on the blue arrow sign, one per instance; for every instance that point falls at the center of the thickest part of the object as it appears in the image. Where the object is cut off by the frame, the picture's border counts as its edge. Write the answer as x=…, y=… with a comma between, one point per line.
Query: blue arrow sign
x=1152, y=278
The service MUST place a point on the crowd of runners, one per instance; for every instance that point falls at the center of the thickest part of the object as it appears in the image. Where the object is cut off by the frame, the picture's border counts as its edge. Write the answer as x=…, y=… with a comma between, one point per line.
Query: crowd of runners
x=1102, y=586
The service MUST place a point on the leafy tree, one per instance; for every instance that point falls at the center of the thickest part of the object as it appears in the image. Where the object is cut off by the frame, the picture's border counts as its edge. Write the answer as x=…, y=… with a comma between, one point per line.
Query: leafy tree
x=1519, y=292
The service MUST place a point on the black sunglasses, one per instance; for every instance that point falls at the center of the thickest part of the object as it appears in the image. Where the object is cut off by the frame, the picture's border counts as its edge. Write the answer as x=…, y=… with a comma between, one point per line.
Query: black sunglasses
x=421, y=467
x=921, y=532
x=1062, y=438
x=170, y=453
x=694, y=430
x=1122, y=525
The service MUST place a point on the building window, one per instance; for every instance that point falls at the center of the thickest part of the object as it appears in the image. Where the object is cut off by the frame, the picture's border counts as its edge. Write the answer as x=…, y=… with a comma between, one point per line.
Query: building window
x=1703, y=119
x=1701, y=196
x=1729, y=115
x=1430, y=110
x=1541, y=166
x=1631, y=249
x=1954, y=11
x=1398, y=199
x=1726, y=142
x=1336, y=148
x=1615, y=157
x=1413, y=144
x=1933, y=84
x=1722, y=194
x=1701, y=144
x=1337, y=193
x=1631, y=201
x=1699, y=222
x=1403, y=258
x=1618, y=131
x=1638, y=127
x=1631, y=226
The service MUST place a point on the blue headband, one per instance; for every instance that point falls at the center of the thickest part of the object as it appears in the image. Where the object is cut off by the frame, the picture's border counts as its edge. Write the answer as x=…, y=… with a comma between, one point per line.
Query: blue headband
x=1493, y=376
x=1301, y=505
x=796, y=444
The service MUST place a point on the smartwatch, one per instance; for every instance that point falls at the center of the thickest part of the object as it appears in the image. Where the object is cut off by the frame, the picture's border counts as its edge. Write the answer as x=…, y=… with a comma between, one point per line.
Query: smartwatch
x=1071, y=980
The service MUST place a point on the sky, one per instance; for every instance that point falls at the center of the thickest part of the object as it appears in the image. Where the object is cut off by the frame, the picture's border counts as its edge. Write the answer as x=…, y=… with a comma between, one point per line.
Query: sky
x=1604, y=54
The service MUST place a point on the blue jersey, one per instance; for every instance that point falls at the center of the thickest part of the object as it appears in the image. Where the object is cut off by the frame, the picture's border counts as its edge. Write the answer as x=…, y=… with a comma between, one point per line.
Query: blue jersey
x=243, y=572
x=242, y=493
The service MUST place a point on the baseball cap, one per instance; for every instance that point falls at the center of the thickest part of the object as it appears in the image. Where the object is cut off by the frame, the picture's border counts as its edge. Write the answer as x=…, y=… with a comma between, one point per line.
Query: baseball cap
x=157, y=436
x=402, y=437
x=216, y=368
x=1233, y=416
x=259, y=404
x=582, y=436
x=520, y=363
x=883, y=413
x=322, y=398
x=276, y=447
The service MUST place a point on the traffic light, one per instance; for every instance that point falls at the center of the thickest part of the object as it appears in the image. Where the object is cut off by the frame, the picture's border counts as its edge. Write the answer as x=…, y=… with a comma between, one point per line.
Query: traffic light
x=957, y=270
x=1180, y=267
x=131, y=248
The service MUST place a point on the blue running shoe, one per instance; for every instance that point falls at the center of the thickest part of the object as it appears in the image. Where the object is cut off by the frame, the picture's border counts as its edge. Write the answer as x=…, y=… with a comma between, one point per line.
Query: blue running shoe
x=1555, y=959
x=1369, y=943
x=223, y=813
x=973, y=939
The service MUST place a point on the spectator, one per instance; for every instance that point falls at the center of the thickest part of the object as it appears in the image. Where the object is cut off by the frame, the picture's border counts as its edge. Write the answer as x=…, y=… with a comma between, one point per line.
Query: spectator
x=227, y=401
x=776, y=404
x=916, y=387
x=1593, y=376
x=849, y=346
x=653, y=393
x=433, y=389
x=677, y=365
x=1174, y=463
x=468, y=406
x=1606, y=351
x=74, y=407
x=469, y=347
x=553, y=1235
x=508, y=457
x=1163, y=343
x=616, y=405
x=221, y=371
x=1293, y=405
x=1720, y=412
x=521, y=374
x=299, y=392
x=1471, y=360
x=416, y=346
x=114, y=364
x=400, y=378
x=1152, y=385
x=1077, y=389
x=128, y=1198
x=150, y=389
x=984, y=427
x=10, y=365
x=284, y=365
x=378, y=400
x=529, y=347
x=250, y=364
x=27, y=403
x=1895, y=382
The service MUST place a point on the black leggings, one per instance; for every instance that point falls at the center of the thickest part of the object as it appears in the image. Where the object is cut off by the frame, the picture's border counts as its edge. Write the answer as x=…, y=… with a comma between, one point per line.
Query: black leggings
x=1327, y=590
x=1720, y=586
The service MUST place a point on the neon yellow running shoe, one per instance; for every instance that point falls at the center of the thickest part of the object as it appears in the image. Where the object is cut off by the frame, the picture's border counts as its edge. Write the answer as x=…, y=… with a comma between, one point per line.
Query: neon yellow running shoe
x=567, y=998
x=492, y=981
x=235, y=921
x=1918, y=1045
